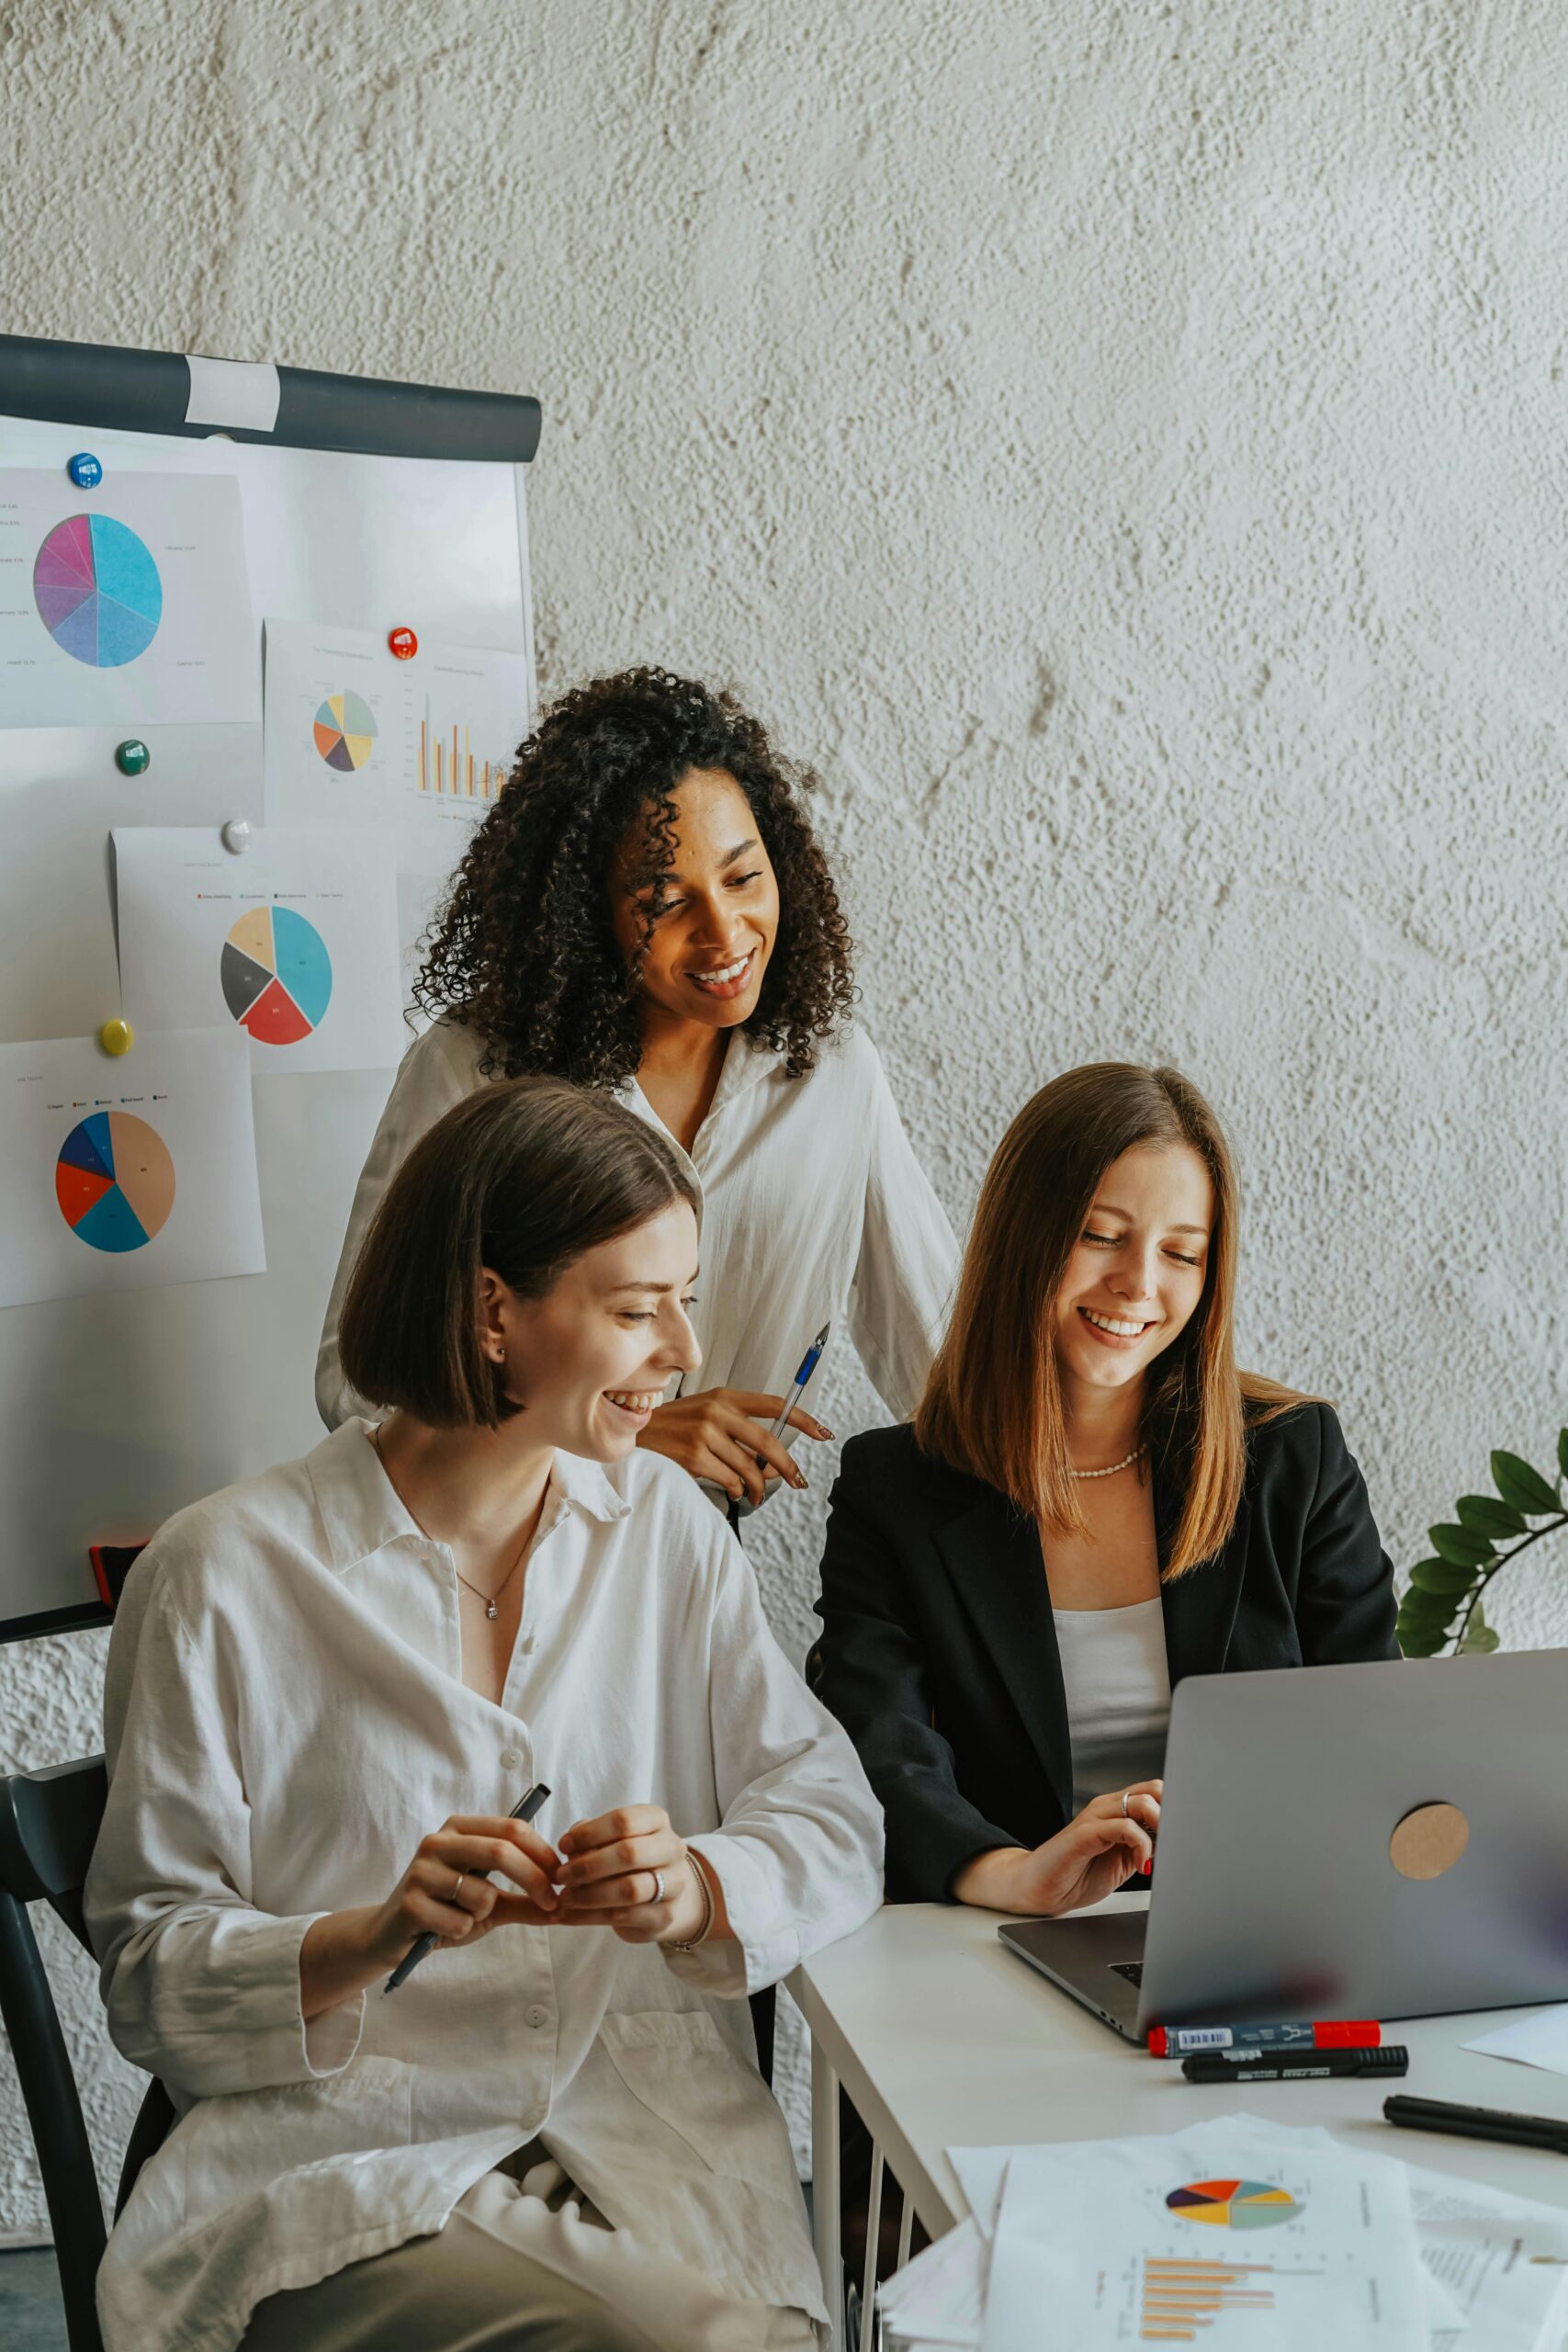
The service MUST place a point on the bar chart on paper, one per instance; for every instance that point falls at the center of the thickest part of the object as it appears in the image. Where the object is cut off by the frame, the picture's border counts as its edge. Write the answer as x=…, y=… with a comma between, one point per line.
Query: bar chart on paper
x=421, y=749
x=453, y=767
x=1175, y=2301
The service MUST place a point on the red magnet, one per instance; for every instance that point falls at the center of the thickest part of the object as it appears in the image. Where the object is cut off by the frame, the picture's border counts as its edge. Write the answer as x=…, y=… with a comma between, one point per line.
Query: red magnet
x=403, y=643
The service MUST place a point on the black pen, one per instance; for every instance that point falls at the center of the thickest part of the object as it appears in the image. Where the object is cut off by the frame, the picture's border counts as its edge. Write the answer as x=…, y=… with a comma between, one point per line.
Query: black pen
x=1479, y=2122
x=523, y=1809
x=1306, y=2066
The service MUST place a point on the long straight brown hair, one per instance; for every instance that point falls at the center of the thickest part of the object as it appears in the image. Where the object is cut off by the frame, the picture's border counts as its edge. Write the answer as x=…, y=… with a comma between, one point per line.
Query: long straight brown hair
x=992, y=1403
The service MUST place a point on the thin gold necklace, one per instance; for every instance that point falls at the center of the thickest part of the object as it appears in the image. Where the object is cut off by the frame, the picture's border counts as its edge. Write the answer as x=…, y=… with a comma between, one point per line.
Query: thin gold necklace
x=491, y=1600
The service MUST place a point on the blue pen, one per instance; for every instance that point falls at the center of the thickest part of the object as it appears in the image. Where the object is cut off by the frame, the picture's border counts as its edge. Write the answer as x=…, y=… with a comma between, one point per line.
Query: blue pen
x=801, y=1380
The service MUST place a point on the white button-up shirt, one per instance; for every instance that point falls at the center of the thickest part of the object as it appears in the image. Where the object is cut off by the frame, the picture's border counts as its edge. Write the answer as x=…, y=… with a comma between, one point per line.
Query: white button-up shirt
x=285, y=1720
x=812, y=1208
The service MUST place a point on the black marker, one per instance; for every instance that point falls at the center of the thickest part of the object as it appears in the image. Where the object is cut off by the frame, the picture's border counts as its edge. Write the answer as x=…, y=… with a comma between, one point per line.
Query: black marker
x=1310, y=2067
x=1479, y=2122
x=523, y=1809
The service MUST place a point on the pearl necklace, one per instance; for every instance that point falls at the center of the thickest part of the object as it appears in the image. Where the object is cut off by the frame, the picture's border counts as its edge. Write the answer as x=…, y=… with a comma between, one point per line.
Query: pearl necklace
x=1125, y=1464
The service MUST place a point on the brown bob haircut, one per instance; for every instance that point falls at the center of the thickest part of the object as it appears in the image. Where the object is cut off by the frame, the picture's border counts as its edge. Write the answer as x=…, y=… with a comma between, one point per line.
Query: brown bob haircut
x=992, y=1403
x=521, y=1178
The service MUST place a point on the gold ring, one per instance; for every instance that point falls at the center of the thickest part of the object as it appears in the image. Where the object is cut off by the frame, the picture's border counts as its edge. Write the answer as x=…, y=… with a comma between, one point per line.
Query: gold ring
x=458, y=1889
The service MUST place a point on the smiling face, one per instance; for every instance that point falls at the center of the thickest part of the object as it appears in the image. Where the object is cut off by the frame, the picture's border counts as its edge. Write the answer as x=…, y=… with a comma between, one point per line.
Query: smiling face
x=715, y=913
x=1136, y=1274
x=590, y=1360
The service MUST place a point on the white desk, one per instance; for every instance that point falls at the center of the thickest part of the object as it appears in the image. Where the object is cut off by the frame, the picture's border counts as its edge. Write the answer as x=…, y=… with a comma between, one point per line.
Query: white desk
x=943, y=2039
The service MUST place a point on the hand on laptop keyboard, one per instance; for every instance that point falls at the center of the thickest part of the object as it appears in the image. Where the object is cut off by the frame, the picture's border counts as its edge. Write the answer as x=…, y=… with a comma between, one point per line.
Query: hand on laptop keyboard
x=1100, y=1848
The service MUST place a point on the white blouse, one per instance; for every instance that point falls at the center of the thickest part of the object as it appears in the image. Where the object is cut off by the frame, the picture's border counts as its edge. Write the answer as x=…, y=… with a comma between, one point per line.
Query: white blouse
x=1117, y=1682
x=285, y=1720
x=814, y=1208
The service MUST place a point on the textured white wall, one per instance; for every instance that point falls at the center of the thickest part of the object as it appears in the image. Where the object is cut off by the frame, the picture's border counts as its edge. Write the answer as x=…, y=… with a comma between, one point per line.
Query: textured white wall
x=1121, y=443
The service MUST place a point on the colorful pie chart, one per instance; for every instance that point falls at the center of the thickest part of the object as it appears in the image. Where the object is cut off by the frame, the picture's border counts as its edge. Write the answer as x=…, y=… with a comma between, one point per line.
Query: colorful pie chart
x=277, y=975
x=97, y=591
x=115, y=1182
x=345, y=730
x=1233, y=2204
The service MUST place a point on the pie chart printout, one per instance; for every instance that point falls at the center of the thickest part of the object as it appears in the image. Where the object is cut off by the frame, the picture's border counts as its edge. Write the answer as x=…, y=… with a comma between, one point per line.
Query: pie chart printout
x=115, y=1182
x=277, y=975
x=97, y=591
x=1233, y=2204
x=345, y=730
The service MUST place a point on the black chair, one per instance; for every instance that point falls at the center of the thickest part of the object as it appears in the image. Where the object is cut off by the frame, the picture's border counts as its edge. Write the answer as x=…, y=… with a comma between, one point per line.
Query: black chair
x=49, y=1826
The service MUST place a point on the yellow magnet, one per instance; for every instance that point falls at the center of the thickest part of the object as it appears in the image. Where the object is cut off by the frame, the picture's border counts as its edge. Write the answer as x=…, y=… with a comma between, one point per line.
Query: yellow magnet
x=117, y=1037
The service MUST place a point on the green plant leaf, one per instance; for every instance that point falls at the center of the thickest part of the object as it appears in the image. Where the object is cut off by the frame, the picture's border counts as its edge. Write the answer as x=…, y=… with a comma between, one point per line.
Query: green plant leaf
x=1421, y=1641
x=1524, y=1487
x=1480, y=1638
x=1442, y=1577
x=1429, y=1608
x=1457, y=1545
x=1484, y=1515
x=1562, y=1451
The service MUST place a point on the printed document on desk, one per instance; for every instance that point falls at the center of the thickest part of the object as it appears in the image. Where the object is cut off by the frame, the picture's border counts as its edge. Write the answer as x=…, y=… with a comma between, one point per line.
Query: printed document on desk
x=1504, y=2261
x=1222, y=2233
x=1539, y=2040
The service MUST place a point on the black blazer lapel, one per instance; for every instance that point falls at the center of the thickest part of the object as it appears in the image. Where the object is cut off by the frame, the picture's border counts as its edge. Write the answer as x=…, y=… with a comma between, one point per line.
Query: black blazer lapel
x=1200, y=1607
x=993, y=1558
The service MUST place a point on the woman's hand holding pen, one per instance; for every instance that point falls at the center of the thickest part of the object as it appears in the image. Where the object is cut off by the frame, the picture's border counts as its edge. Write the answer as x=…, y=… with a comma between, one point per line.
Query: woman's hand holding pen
x=723, y=1435
x=441, y=1893
x=1100, y=1848
x=607, y=1874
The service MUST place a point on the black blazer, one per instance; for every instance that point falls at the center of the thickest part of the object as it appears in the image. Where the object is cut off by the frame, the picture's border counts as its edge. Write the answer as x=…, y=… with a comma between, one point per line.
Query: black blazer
x=938, y=1652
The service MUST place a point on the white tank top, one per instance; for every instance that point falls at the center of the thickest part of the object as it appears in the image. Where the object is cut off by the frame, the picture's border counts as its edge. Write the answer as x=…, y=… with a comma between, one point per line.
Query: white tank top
x=1118, y=1688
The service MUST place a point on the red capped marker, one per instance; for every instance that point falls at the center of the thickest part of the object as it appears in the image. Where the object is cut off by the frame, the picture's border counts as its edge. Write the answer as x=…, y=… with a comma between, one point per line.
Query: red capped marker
x=1180, y=2041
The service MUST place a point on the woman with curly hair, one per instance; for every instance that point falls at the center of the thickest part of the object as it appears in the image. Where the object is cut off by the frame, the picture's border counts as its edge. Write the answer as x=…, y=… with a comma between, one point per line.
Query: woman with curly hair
x=646, y=909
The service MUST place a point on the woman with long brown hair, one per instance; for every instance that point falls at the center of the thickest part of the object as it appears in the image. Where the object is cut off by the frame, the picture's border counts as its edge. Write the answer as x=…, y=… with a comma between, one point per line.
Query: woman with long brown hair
x=1090, y=1502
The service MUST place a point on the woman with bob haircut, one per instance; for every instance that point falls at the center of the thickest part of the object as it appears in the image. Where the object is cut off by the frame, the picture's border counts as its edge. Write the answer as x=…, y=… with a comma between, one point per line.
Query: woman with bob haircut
x=1091, y=1502
x=647, y=911
x=328, y=1686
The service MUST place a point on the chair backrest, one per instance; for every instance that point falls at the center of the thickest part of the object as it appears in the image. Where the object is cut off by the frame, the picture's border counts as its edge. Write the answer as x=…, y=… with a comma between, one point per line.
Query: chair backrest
x=49, y=1823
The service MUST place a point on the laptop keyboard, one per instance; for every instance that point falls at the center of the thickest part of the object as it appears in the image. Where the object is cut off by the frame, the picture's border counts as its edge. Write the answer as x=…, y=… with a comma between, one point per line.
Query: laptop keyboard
x=1133, y=1970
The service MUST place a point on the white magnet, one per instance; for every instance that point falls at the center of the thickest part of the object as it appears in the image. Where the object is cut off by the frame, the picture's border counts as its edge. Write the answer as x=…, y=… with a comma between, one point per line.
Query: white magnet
x=237, y=836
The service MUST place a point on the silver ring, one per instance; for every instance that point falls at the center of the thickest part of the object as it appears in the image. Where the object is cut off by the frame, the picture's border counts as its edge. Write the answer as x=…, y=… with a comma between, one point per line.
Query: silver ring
x=458, y=1888
x=1126, y=1809
x=658, y=1896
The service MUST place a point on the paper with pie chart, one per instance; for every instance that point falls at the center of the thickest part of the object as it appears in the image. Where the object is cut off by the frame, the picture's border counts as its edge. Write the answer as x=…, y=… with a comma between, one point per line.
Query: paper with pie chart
x=120, y=1174
x=419, y=748
x=1229, y=2234
x=295, y=943
x=124, y=605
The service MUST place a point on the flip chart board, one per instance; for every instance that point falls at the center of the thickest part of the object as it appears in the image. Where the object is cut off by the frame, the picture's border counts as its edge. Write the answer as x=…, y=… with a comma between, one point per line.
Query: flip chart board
x=403, y=507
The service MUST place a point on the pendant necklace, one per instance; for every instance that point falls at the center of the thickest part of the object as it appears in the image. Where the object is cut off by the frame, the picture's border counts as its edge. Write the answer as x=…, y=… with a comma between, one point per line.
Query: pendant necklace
x=493, y=1601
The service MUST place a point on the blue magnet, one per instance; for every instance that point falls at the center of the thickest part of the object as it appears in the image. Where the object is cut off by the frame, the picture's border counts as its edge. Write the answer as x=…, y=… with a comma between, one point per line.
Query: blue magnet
x=84, y=471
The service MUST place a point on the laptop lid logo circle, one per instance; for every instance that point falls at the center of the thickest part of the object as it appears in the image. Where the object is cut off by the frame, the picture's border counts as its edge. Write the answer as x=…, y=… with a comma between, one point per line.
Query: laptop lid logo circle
x=1428, y=1841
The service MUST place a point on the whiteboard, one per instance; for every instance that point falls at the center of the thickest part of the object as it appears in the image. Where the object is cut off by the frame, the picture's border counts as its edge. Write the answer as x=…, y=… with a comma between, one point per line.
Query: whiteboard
x=120, y=1409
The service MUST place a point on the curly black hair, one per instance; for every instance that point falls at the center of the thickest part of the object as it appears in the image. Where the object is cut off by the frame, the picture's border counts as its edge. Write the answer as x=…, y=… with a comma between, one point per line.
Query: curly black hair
x=522, y=951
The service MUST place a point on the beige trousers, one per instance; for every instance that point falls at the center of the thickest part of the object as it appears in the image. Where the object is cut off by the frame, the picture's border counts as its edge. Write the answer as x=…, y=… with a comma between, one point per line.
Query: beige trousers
x=525, y=2263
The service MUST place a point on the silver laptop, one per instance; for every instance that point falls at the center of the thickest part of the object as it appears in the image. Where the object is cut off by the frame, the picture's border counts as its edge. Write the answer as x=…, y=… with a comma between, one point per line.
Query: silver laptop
x=1349, y=1841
